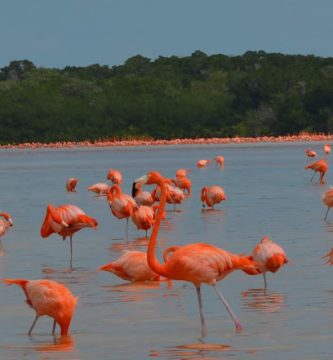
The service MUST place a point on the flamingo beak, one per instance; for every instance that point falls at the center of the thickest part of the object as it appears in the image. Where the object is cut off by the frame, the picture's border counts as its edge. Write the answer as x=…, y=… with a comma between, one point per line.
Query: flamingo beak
x=10, y=221
x=138, y=183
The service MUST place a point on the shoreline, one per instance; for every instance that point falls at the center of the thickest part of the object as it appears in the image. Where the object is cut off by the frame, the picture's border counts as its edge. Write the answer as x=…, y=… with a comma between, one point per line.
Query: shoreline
x=186, y=141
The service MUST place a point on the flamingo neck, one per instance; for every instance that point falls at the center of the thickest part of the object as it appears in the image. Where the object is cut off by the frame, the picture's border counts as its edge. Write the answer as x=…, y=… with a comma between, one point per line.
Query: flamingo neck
x=203, y=194
x=153, y=262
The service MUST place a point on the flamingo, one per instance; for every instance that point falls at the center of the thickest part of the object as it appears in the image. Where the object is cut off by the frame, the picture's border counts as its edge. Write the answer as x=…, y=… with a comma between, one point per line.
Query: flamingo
x=65, y=220
x=329, y=257
x=71, y=184
x=174, y=194
x=196, y=263
x=318, y=166
x=183, y=183
x=114, y=176
x=99, y=188
x=5, y=222
x=328, y=200
x=270, y=255
x=327, y=149
x=182, y=172
x=49, y=298
x=131, y=266
x=220, y=161
x=212, y=195
x=310, y=153
x=142, y=197
x=202, y=163
x=121, y=205
x=143, y=217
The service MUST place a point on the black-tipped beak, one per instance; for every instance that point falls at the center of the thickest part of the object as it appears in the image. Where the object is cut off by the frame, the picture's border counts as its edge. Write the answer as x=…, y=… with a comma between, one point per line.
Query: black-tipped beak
x=134, y=189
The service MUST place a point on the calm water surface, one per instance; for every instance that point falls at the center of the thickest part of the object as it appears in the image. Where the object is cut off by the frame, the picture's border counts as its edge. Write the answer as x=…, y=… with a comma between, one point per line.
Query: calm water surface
x=269, y=194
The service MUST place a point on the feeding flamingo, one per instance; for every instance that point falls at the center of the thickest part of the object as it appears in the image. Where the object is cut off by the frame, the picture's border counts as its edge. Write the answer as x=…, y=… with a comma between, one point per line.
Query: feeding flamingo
x=196, y=263
x=122, y=205
x=318, y=166
x=114, y=176
x=99, y=188
x=270, y=255
x=131, y=266
x=212, y=195
x=71, y=184
x=202, y=163
x=49, y=298
x=310, y=153
x=65, y=220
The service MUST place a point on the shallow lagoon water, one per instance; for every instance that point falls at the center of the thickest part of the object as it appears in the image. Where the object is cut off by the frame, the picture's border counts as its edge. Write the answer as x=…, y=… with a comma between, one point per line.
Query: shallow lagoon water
x=269, y=194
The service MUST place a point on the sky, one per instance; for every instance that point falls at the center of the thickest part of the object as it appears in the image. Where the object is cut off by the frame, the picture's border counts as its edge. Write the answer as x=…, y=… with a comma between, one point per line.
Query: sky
x=57, y=33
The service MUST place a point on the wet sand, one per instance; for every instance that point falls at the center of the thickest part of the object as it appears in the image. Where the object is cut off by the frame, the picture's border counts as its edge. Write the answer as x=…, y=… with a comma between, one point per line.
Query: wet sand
x=189, y=141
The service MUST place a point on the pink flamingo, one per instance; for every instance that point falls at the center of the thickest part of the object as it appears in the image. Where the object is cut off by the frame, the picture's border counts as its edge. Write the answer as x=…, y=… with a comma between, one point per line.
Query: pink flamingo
x=220, y=161
x=270, y=255
x=65, y=220
x=318, y=166
x=143, y=217
x=142, y=197
x=328, y=200
x=183, y=183
x=99, y=188
x=196, y=263
x=327, y=149
x=71, y=184
x=202, y=163
x=310, y=153
x=114, y=176
x=131, y=266
x=212, y=195
x=5, y=223
x=49, y=298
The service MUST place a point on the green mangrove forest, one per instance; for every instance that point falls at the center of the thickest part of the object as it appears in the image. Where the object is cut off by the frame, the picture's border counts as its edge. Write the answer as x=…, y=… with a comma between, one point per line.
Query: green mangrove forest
x=254, y=94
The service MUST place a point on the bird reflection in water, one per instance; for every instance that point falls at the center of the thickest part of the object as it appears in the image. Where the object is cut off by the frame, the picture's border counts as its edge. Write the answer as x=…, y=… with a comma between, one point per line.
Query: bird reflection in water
x=139, y=243
x=262, y=300
x=212, y=216
x=60, y=343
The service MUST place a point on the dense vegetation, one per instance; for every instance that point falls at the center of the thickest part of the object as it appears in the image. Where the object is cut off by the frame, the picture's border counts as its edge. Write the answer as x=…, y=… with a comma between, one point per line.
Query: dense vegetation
x=195, y=96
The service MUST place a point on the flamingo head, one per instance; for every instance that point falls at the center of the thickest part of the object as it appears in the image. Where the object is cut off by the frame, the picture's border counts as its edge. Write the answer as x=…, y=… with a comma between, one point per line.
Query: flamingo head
x=8, y=218
x=152, y=177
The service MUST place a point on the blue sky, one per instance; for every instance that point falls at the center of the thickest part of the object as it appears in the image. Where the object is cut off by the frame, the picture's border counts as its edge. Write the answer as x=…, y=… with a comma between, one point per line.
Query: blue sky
x=56, y=33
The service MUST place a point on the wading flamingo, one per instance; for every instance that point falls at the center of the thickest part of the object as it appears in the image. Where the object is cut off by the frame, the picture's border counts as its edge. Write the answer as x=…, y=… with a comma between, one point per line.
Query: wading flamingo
x=173, y=194
x=183, y=183
x=327, y=149
x=131, y=266
x=142, y=197
x=49, y=298
x=328, y=200
x=71, y=184
x=202, y=163
x=122, y=205
x=65, y=220
x=220, y=161
x=310, y=153
x=212, y=195
x=318, y=166
x=5, y=223
x=143, y=217
x=99, y=188
x=269, y=255
x=196, y=263
x=114, y=176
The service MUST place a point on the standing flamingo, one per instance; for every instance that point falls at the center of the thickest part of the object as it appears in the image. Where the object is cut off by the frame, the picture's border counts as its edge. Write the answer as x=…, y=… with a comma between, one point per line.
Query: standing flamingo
x=99, y=188
x=142, y=197
x=270, y=255
x=183, y=183
x=114, y=176
x=196, y=263
x=212, y=195
x=328, y=200
x=318, y=166
x=65, y=220
x=220, y=161
x=327, y=149
x=49, y=298
x=122, y=205
x=131, y=266
x=71, y=184
x=143, y=217
x=5, y=222
x=202, y=163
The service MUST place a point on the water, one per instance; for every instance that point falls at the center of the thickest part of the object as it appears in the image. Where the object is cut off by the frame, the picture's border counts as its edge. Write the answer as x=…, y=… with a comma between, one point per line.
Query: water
x=269, y=194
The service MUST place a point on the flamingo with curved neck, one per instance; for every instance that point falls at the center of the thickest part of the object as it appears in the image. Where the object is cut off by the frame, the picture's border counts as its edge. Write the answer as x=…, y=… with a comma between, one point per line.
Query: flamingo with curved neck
x=198, y=263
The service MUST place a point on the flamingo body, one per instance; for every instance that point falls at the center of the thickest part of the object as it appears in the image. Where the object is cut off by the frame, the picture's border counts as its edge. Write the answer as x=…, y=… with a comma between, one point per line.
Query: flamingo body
x=71, y=184
x=48, y=298
x=131, y=266
x=5, y=223
x=143, y=217
x=310, y=153
x=183, y=183
x=212, y=195
x=122, y=205
x=99, y=188
x=319, y=166
x=202, y=163
x=220, y=161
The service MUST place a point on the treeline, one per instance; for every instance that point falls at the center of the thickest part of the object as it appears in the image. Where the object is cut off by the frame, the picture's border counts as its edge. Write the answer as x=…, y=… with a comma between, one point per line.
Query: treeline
x=254, y=94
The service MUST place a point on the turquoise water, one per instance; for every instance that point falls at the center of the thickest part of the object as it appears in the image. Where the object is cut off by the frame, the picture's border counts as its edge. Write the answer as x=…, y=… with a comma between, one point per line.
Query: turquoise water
x=269, y=194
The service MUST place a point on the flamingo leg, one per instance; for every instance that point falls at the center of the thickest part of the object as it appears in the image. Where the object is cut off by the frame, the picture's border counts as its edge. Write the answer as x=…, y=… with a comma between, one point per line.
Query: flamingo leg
x=313, y=176
x=326, y=213
x=265, y=281
x=230, y=311
x=202, y=318
x=54, y=327
x=71, y=245
x=127, y=229
x=33, y=325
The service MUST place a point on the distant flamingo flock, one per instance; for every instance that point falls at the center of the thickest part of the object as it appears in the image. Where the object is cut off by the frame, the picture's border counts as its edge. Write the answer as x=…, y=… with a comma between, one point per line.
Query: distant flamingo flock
x=196, y=263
